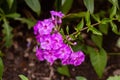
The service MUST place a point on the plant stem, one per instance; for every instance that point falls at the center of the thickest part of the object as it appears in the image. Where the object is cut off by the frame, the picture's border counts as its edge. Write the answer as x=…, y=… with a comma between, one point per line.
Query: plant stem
x=85, y=28
x=113, y=54
x=51, y=72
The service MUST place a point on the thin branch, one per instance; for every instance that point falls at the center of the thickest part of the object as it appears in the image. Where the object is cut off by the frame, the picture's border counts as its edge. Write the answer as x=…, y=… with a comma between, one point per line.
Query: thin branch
x=51, y=72
x=115, y=54
x=92, y=25
x=85, y=28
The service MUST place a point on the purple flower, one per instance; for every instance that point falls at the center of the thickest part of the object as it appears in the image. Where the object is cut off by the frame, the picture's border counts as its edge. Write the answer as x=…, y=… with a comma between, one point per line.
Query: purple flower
x=64, y=52
x=47, y=27
x=49, y=55
x=39, y=54
x=52, y=46
x=56, y=17
x=46, y=42
x=66, y=61
x=57, y=14
x=77, y=58
x=36, y=27
x=57, y=40
x=43, y=27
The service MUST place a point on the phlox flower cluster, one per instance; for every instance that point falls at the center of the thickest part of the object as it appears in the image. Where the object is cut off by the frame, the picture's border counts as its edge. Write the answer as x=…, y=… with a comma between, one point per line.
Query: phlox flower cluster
x=52, y=46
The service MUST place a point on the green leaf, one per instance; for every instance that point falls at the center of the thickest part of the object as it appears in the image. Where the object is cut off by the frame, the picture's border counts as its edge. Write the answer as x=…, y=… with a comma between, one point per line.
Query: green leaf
x=114, y=28
x=105, y=20
x=63, y=1
x=75, y=15
x=89, y=5
x=10, y=3
x=63, y=34
x=115, y=3
x=97, y=39
x=118, y=17
x=80, y=25
x=64, y=71
x=7, y=31
x=66, y=5
x=1, y=68
x=1, y=54
x=113, y=11
x=80, y=78
x=95, y=31
x=87, y=18
x=96, y=18
x=34, y=5
x=98, y=60
x=1, y=11
x=22, y=77
x=58, y=4
x=78, y=47
x=114, y=77
x=29, y=22
x=67, y=29
x=13, y=15
x=104, y=28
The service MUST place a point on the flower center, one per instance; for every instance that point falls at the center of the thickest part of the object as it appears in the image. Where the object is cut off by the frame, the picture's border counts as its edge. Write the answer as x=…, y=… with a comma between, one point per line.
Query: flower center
x=45, y=27
x=63, y=51
x=47, y=41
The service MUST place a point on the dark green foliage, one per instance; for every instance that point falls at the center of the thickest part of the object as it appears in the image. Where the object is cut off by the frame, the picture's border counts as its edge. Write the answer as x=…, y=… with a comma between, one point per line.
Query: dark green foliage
x=64, y=70
x=80, y=78
x=8, y=12
x=89, y=5
x=99, y=24
x=22, y=77
x=66, y=5
x=1, y=68
x=114, y=77
x=98, y=59
x=34, y=5
x=7, y=31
